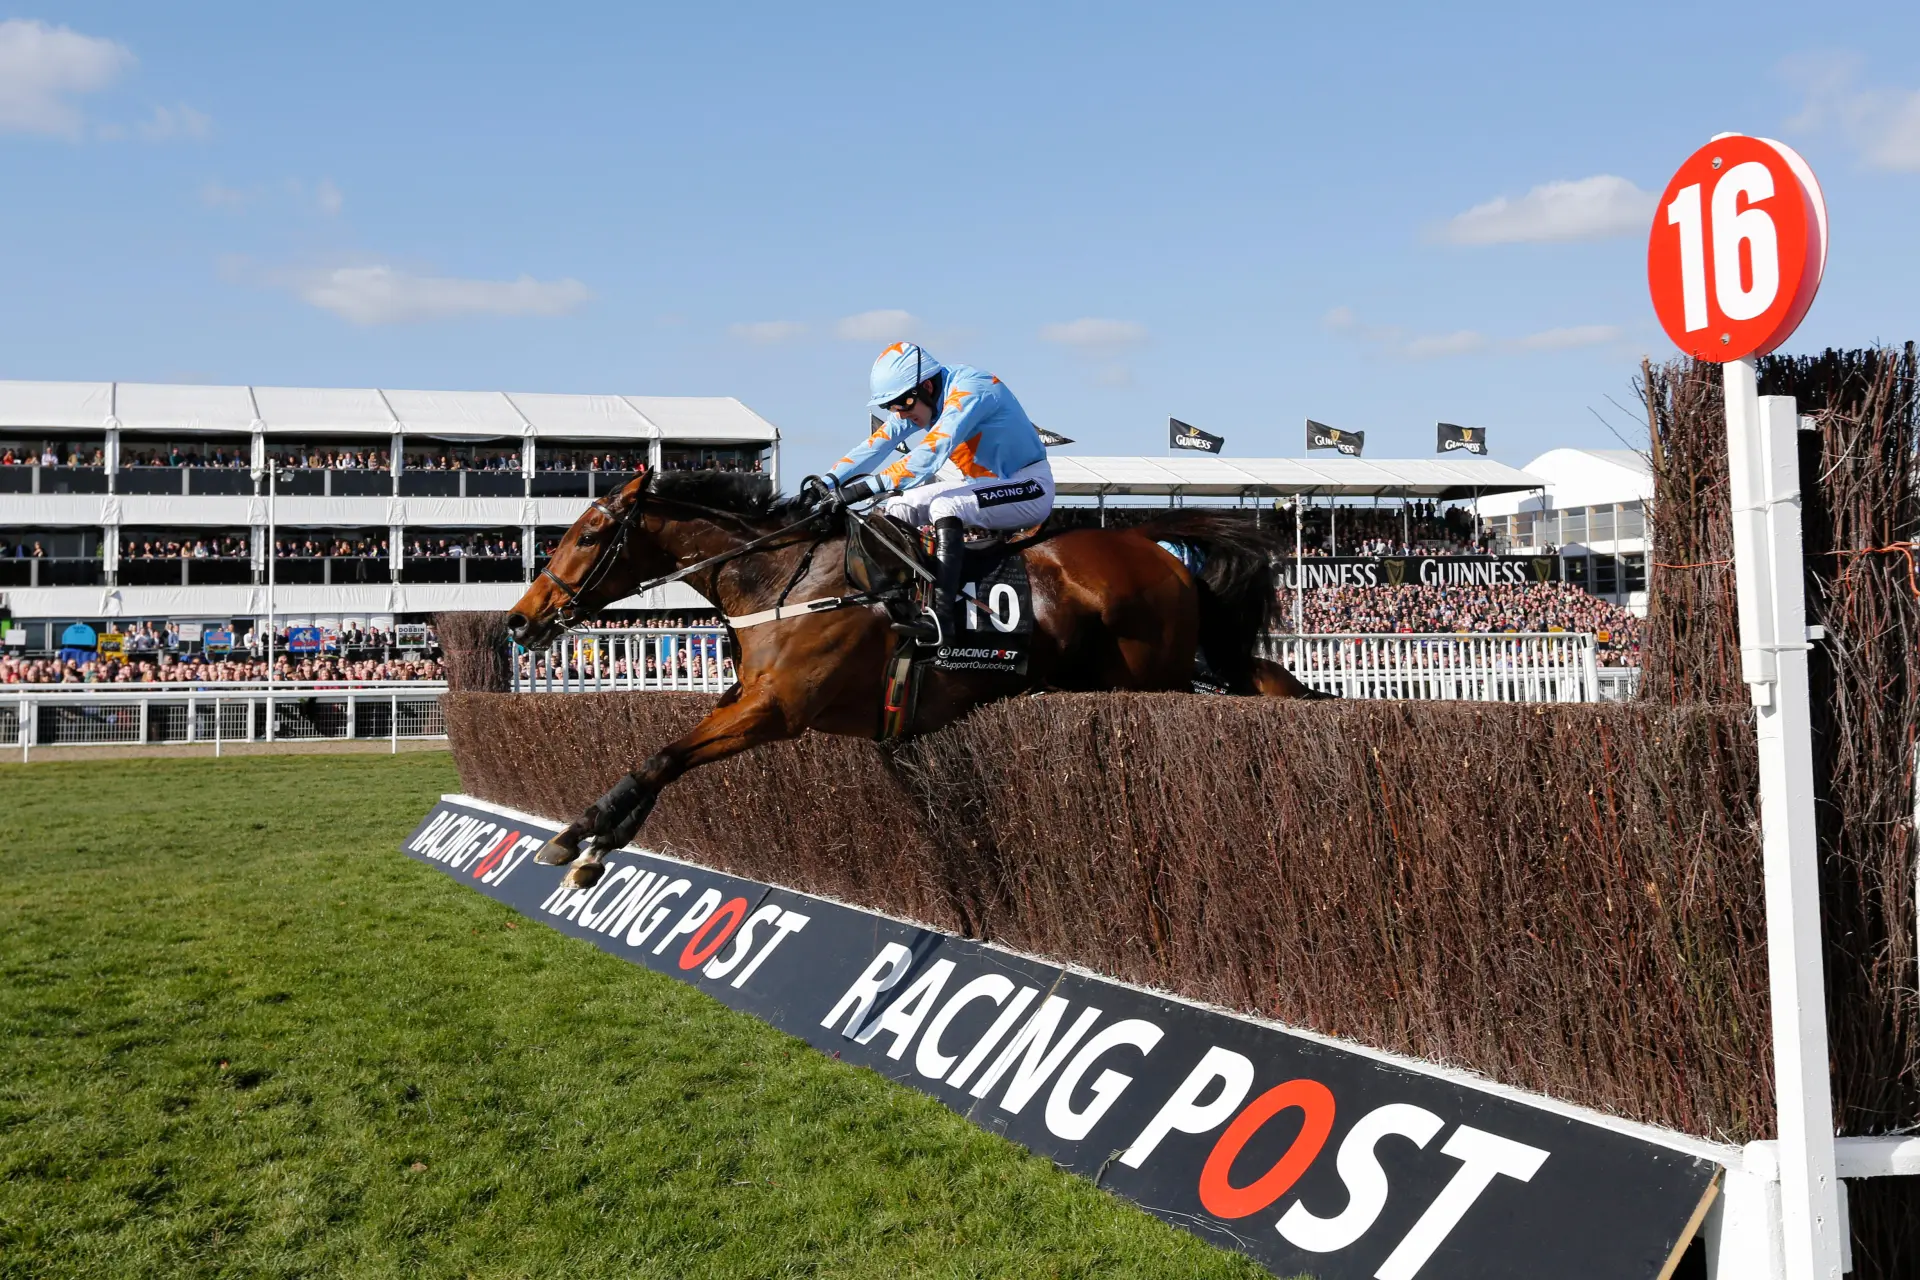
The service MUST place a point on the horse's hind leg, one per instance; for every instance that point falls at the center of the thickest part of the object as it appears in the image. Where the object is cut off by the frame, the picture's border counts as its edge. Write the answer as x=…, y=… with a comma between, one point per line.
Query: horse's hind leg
x=615, y=817
x=1271, y=680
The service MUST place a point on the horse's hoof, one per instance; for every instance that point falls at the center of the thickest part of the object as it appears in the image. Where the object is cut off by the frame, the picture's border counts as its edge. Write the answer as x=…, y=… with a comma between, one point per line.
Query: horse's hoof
x=585, y=875
x=555, y=854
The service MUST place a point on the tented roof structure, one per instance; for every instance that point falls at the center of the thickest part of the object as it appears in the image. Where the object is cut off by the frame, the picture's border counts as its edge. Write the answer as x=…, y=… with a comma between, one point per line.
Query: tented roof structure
x=1442, y=479
x=469, y=415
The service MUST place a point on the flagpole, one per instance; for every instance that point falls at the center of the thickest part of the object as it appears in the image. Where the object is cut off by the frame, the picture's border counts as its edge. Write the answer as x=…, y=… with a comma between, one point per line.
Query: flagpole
x=1299, y=566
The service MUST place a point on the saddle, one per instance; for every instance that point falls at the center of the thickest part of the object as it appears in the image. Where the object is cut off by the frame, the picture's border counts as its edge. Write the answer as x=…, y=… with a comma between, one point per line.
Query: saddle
x=874, y=562
x=997, y=622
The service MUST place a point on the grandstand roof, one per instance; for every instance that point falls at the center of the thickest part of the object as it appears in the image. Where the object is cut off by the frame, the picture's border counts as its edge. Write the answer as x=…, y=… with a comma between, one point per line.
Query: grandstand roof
x=143, y=406
x=1444, y=479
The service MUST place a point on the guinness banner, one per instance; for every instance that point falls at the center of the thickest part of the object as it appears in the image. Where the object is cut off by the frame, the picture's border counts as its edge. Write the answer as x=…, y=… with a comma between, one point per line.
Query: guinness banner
x=1182, y=435
x=1323, y=573
x=1452, y=438
x=1310, y=1154
x=1322, y=436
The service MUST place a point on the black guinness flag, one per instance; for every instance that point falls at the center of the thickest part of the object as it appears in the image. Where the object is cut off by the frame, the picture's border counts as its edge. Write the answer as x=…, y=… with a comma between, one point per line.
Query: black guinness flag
x=1472, y=439
x=1181, y=435
x=1052, y=439
x=1322, y=436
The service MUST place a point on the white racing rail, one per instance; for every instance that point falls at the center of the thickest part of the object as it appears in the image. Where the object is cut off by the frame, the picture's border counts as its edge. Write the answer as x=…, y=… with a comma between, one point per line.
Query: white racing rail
x=80, y=715
x=694, y=660
x=1523, y=667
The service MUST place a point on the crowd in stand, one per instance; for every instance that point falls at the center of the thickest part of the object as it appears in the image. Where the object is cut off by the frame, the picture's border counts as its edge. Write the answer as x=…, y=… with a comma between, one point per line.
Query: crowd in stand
x=313, y=548
x=202, y=669
x=730, y=464
x=24, y=549
x=176, y=456
x=215, y=547
x=481, y=546
x=556, y=461
x=50, y=456
x=1424, y=528
x=452, y=462
x=331, y=460
x=1541, y=606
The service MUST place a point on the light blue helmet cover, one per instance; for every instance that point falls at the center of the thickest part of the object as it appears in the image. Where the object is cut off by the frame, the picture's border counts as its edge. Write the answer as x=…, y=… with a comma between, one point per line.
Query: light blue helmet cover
x=900, y=368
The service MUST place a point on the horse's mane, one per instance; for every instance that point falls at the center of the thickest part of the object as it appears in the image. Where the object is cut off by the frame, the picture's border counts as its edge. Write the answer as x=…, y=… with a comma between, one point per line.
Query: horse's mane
x=739, y=493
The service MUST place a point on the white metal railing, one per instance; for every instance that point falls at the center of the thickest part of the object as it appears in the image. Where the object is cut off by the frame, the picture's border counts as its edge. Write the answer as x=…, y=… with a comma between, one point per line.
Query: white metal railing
x=692, y=659
x=1523, y=667
x=78, y=715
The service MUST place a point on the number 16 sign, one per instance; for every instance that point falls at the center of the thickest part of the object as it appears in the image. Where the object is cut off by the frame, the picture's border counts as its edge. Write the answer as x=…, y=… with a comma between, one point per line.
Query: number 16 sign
x=1738, y=245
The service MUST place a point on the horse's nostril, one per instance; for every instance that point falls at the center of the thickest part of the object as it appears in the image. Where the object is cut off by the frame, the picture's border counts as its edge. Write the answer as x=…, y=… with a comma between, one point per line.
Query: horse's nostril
x=516, y=623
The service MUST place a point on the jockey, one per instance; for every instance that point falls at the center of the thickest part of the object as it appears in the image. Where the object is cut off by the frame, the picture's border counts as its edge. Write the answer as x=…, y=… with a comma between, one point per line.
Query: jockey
x=980, y=465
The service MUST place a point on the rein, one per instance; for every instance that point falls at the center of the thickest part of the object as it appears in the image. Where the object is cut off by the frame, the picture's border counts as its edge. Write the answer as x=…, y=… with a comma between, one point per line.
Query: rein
x=568, y=615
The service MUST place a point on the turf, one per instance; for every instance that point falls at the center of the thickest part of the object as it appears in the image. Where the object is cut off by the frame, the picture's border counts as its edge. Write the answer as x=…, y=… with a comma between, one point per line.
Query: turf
x=241, y=1035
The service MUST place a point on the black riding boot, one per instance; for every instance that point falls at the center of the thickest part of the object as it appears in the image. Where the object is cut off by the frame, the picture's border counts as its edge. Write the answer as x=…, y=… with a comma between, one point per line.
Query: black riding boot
x=943, y=627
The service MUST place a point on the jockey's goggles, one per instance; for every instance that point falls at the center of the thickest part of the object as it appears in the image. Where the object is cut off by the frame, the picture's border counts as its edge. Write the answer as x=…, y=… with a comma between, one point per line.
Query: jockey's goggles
x=904, y=405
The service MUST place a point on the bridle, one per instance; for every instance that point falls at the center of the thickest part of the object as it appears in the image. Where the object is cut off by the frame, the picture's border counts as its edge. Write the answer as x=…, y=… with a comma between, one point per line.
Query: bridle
x=568, y=615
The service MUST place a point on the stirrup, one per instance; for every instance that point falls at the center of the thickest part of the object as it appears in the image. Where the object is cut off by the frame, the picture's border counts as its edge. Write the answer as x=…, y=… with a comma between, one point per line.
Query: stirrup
x=923, y=630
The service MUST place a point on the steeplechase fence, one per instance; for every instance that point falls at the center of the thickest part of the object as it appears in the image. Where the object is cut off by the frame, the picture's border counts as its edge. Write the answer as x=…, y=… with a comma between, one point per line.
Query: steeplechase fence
x=104, y=715
x=1521, y=667
x=675, y=660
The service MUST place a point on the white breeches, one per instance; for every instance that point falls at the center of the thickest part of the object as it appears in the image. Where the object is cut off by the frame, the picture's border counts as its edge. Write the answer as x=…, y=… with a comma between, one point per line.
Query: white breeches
x=1021, y=499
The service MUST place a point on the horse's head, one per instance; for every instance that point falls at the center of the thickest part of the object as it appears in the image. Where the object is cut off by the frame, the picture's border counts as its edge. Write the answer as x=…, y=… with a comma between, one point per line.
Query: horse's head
x=596, y=563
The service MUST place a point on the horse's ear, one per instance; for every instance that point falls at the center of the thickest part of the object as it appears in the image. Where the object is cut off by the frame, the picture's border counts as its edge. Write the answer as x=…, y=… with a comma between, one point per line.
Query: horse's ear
x=630, y=491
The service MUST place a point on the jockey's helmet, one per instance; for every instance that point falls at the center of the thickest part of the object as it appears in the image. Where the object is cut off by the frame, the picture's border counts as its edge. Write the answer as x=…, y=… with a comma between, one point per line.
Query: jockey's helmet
x=900, y=368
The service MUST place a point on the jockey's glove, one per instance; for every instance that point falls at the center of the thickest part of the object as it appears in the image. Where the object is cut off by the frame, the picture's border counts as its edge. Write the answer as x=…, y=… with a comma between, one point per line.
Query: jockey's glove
x=829, y=495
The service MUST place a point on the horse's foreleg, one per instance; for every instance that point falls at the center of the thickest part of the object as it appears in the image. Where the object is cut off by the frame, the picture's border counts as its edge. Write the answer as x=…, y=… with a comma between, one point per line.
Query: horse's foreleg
x=616, y=816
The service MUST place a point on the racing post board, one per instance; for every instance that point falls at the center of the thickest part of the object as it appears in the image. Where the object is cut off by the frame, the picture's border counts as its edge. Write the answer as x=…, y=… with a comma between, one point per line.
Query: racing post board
x=1735, y=256
x=1308, y=1154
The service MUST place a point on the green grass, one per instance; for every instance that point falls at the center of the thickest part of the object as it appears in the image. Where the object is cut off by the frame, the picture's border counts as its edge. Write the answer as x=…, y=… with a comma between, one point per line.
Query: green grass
x=241, y=1035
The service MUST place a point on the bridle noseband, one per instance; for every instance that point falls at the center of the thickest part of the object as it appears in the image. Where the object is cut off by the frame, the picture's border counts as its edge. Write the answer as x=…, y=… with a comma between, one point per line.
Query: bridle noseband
x=568, y=614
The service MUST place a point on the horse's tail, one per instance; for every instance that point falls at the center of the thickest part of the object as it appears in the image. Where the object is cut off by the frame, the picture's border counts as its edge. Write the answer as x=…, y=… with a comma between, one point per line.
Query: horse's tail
x=1234, y=571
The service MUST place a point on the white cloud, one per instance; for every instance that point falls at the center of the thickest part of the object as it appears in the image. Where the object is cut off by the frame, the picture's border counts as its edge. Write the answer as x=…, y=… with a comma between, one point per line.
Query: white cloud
x=876, y=326
x=1569, y=338
x=324, y=197
x=1882, y=124
x=1461, y=342
x=1595, y=208
x=768, y=331
x=1339, y=319
x=371, y=295
x=217, y=195
x=41, y=67
x=169, y=123
x=1394, y=342
x=1094, y=333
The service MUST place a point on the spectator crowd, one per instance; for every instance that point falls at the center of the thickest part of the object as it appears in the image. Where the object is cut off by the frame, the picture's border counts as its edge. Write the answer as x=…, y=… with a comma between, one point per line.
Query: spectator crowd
x=307, y=459
x=209, y=669
x=73, y=455
x=175, y=455
x=574, y=460
x=309, y=548
x=212, y=547
x=1540, y=606
x=1424, y=528
x=480, y=546
x=493, y=461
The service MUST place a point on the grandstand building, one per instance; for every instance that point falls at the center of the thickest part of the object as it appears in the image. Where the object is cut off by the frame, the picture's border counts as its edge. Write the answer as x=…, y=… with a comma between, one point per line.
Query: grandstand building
x=152, y=501
x=1591, y=513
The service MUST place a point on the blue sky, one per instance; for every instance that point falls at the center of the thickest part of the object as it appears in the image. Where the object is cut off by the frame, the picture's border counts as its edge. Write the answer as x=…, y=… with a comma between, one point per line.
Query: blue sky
x=1241, y=216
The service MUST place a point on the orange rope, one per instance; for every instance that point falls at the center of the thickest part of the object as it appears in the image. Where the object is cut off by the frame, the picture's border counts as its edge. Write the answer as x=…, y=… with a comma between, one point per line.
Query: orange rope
x=1901, y=548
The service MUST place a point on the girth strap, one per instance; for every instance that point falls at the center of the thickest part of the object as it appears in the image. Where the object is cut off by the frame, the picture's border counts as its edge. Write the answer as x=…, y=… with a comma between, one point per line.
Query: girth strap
x=826, y=604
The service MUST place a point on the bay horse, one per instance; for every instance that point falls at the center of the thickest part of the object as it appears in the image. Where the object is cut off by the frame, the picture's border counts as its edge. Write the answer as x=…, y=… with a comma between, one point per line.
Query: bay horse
x=1112, y=610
